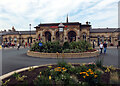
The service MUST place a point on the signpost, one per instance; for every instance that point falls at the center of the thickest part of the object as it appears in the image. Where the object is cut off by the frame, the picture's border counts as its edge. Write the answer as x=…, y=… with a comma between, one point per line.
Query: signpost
x=40, y=44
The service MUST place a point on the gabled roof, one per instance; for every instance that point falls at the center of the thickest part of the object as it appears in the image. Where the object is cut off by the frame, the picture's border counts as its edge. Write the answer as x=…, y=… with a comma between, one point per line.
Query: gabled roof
x=103, y=30
x=56, y=24
x=18, y=32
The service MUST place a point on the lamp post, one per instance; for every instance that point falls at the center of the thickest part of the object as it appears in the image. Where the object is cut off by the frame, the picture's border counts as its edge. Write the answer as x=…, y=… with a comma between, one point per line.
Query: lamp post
x=61, y=33
x=30, y=34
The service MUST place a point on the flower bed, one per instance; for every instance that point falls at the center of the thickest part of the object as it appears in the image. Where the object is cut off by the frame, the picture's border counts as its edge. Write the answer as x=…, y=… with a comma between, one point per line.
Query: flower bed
x=62, y=74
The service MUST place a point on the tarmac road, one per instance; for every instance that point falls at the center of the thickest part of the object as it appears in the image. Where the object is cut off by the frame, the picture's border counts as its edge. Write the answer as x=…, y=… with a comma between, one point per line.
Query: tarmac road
x=13, y=59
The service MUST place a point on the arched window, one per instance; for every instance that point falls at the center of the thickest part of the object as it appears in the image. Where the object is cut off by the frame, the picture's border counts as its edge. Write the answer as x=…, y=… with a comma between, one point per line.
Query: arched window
x=47, y=36
x=57, y=35
x=110, y=39
x=10, y=39
x=39, y=37
x=118, y=37
x=29, y=39
x=72, y=36
x=84, y=36
x=15, y=39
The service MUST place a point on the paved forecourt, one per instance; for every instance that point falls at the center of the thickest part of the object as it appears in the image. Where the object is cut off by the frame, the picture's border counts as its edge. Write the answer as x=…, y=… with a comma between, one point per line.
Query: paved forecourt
x=13, y=59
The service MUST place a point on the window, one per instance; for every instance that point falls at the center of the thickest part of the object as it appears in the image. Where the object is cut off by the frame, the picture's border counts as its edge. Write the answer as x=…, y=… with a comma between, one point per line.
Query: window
x=110, y=39
x=15, y=39
x=84, y=36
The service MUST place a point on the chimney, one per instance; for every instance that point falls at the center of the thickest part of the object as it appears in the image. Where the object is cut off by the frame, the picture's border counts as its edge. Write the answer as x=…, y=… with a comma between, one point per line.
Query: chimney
x=13, y=29
x=4, y=30
x=87, y=23
x=9, y=30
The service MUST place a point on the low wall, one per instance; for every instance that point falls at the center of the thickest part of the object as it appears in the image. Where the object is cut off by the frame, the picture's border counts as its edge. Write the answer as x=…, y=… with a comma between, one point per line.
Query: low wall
x=63, y=55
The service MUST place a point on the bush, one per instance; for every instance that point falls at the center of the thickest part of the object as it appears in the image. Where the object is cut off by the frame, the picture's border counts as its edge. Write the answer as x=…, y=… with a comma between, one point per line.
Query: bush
x=66, y=45
x=99, y=63
x=53, y=47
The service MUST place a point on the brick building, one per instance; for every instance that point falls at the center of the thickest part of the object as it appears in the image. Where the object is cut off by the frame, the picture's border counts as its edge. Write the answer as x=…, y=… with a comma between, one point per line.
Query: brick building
x=73, y=31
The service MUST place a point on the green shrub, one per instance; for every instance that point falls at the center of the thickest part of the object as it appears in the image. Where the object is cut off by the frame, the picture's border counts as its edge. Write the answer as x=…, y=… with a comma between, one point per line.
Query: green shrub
x=99, y=63
x=66, y=45
x=53, y=47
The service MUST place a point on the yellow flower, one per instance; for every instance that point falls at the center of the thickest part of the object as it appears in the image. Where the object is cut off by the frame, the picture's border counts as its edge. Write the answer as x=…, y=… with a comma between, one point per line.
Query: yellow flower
x=63, y=68
x=49, y=77
x=58, y=67
x=87, y=74
x=50, y=66
x=107, y=70
x=95, y=76
x=69, y=63
x=89, y=70
x=80, y=72
x=84, y=76
x=83, y=64
x=84, y=72
x=91, y=73
x=40, y=73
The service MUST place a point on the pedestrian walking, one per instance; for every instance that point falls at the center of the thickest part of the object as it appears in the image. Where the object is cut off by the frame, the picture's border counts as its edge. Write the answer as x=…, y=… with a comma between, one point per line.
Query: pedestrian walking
x=117, y=46
x=105, y=47
x=24, y=44
x=2, y=45
x=18, y=46
x=101, y=47
x=93, y=44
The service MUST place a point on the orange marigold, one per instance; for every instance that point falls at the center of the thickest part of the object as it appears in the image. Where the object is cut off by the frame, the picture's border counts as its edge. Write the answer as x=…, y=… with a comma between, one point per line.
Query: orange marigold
x=87, y=74
x=84, y=76
x=95, y=76
x=91, y=73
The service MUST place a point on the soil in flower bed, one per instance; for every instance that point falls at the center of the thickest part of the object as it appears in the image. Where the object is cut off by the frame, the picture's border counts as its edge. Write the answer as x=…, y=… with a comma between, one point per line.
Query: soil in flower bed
x=31, y=75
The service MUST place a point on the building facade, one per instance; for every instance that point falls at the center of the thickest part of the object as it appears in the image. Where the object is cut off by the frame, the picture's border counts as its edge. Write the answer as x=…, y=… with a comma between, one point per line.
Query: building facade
x=75, y=31
x=15, y=37
x=72, y=31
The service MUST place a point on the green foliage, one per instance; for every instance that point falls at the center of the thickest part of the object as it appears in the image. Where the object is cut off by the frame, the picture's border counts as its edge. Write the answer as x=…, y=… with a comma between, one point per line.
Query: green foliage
x=53, y=47
x=5, y=83
x=16, y=75
x=65, y=74
x=19, y=77
x=42, y=80
x=31, y=69
x=61, y=64
x=99, y=63
x=91, y=66
x=66, y=45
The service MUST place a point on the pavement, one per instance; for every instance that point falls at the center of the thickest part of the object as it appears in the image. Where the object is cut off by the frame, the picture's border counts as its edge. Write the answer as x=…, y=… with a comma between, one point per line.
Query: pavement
x=13, y=59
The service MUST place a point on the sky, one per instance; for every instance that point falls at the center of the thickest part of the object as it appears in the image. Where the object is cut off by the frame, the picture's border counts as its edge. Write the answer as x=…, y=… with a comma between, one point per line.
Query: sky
x=21, y=13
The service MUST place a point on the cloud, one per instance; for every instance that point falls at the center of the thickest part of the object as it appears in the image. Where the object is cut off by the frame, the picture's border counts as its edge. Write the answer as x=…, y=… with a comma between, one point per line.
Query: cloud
x=21, y=13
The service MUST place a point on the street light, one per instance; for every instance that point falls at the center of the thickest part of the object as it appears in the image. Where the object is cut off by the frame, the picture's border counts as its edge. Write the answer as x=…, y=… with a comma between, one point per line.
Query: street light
x=30, y=34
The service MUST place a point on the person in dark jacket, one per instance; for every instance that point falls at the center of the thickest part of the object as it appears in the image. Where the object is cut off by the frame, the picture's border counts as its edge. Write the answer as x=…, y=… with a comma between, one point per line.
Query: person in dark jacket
x=105, y=47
